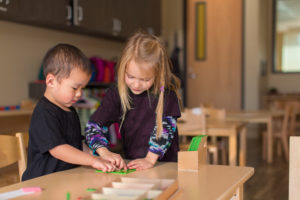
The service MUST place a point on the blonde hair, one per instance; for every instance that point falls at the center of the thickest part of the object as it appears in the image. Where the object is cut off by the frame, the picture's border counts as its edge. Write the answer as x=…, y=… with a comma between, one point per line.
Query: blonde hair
x=147, y=48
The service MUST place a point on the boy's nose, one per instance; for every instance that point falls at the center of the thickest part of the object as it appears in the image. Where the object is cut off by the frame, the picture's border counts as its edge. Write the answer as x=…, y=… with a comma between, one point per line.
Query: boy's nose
x=78, y=93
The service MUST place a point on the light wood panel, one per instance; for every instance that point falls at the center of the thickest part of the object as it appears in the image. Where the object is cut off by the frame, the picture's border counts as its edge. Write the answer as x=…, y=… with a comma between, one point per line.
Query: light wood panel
x=217, y=79
x=294, y=176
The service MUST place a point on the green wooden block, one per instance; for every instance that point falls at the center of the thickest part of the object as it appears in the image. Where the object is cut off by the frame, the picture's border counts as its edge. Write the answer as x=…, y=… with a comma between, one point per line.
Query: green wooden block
x=194, y=145
x=118, y=172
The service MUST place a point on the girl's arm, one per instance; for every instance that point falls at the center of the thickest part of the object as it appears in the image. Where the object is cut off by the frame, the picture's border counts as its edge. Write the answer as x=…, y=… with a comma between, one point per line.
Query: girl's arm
x=97, y=139
x=69, y=154
x=161, y=145
x=96, y=136
x=158, y=147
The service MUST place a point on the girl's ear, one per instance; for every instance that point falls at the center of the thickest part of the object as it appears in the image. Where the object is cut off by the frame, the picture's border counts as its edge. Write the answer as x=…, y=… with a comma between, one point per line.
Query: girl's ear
x=50, y=79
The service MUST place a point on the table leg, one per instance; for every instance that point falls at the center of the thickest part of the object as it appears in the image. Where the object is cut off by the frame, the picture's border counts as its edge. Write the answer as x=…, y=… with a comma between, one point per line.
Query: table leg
x=240, y=192
x=270, y=141
x=243, y=147
x=232, y=149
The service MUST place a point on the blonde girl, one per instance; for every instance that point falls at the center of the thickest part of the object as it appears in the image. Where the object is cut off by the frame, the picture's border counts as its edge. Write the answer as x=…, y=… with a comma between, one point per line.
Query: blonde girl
x=146, y=105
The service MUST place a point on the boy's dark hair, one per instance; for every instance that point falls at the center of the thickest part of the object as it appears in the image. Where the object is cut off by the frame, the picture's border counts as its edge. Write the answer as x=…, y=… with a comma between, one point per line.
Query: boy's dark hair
x=61, y=59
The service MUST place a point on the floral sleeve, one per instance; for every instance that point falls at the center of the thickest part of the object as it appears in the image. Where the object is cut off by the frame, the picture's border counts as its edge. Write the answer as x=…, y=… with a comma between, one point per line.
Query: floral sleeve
x=96, y=136
x=161, y=145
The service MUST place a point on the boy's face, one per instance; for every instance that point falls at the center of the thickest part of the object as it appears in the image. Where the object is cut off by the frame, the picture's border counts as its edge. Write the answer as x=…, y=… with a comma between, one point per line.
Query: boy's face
x=67, y=91
x=137, y=78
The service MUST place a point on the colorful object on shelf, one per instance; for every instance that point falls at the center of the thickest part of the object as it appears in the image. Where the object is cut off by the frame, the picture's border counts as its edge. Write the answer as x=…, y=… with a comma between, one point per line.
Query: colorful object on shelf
x=119, y=171
x=93, y=75
x=195, y=143
x=41, y=74
x=6, y=108
x=105, y=70
x=99, y=66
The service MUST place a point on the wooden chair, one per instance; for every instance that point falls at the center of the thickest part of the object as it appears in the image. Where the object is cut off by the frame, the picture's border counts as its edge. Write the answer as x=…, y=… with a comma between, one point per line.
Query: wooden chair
x=192, y=123
x=283, y=128
x=12, y=150
x=221, y=143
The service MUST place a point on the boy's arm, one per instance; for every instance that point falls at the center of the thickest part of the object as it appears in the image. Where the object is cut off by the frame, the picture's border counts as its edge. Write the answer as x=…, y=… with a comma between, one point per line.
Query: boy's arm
x=69, y=154
x=86, y=149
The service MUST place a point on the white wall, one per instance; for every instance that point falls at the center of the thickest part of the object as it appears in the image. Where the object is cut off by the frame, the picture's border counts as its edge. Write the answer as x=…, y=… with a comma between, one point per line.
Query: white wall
x=22, y=48
x=251, y=54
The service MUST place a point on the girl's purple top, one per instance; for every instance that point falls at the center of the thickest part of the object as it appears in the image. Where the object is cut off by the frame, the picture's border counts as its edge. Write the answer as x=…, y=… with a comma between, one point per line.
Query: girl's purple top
x=139, y=128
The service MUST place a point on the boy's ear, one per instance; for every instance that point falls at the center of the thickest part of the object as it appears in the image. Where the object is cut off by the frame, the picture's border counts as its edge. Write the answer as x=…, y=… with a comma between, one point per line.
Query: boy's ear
x=50, y=78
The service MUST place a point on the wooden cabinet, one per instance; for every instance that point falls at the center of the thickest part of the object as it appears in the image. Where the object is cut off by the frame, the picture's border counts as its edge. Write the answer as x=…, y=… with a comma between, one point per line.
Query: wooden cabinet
x=49, y=13
x=116, y=19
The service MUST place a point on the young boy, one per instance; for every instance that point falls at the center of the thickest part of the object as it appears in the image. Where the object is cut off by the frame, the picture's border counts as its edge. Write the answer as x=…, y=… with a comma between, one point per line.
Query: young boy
x=55, y=141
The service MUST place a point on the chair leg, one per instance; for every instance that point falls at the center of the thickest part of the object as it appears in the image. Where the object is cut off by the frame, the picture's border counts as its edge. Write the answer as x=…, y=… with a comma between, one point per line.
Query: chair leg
x=285, y=148
x=213, y=150
x=264, y=145
x=222, y=145
x=279, y=149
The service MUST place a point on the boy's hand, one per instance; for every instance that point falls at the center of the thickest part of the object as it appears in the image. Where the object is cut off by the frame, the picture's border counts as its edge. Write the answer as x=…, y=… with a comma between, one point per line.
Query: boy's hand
x=112, y=158
x=103, y=165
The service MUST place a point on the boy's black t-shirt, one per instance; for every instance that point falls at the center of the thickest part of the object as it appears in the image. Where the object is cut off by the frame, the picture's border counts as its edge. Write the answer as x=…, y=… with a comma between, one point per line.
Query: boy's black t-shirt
x=50, y=126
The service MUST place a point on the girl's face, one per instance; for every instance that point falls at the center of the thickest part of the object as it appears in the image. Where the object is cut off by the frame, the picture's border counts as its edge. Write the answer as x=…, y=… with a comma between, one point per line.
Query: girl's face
x=137, y=78
x=67, y=91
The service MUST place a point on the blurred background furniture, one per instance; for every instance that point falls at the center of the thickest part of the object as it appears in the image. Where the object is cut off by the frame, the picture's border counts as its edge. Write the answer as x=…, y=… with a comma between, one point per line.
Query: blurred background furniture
x=262, y=117
x=222, y=128
x=191, y=123
x=284, y=127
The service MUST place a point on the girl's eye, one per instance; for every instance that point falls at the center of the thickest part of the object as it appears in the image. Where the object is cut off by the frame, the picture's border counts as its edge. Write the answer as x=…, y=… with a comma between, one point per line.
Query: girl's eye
x=74, y=88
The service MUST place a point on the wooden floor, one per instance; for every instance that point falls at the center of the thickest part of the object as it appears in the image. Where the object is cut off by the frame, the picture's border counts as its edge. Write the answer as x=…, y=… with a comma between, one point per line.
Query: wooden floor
x=269, y=182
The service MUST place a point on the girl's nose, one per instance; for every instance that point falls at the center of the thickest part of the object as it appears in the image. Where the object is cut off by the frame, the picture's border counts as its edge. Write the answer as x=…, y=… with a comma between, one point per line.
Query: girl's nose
x=136, y=84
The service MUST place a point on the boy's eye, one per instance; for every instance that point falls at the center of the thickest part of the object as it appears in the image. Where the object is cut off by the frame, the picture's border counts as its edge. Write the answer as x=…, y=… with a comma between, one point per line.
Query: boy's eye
x=74, y=88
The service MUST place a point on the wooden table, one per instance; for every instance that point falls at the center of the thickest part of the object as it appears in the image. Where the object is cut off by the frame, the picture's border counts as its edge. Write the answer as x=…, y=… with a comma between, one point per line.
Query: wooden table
x=260, y=116
x=224, y=128
x=13, y=121
x=211, y=182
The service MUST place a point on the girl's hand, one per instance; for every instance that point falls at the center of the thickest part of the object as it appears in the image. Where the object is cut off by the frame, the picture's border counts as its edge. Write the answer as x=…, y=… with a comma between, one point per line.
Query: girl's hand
x=140, y=164
x=103, y=165
x=143, y=163
x=112, y=158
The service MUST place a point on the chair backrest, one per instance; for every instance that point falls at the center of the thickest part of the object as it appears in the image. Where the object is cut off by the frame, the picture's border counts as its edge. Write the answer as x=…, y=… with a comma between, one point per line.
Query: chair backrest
x=12, y=150
x=290, y=112
x=214, y=113
x=192, y=119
